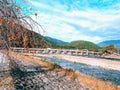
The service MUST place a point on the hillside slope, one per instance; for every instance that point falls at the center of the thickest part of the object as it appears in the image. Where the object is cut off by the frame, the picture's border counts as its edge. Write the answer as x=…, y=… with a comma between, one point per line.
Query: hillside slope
x=116, y=43
x=84, y=45
x=19, y=36
x=56, y=41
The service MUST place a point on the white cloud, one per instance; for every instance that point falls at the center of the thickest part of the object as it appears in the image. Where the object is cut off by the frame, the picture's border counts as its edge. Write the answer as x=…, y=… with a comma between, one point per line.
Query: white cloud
x=40, y=5
x=93, y=20
x=56, y=22
x=88, y=18
x=66, y=32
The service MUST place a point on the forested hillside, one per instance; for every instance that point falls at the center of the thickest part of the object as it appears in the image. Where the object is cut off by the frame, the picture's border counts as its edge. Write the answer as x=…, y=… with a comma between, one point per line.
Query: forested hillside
x=21, y=37
x=83, y=45
x=56, y=41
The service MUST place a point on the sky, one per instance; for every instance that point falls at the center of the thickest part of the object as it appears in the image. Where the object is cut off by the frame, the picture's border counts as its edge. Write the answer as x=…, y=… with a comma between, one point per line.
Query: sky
x=69, y=20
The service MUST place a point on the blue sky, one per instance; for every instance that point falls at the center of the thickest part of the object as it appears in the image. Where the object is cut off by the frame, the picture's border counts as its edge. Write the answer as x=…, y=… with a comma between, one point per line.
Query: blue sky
x=69, y=20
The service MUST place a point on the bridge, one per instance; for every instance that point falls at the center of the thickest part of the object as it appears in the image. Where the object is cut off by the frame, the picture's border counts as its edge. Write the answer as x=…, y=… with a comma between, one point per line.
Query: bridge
x=76, y=52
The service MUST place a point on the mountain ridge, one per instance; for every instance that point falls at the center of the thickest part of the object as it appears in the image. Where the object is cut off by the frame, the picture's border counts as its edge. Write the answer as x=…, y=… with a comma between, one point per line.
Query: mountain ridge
x=116, y=43
x=82, y=44
x=78, y=44
x=56, y=41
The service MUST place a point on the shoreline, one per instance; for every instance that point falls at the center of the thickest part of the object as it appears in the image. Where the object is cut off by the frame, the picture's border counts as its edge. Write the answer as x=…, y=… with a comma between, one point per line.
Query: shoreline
x=107, y=64
x=112, y=56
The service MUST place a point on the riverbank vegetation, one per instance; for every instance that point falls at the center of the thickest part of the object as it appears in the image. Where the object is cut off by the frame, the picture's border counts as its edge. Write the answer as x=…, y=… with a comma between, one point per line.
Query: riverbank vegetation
x=109, y=50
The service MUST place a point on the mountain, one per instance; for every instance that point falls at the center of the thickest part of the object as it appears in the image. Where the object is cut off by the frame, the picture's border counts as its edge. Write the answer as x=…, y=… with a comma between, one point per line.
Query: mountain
x=56, y=41
x=116, y=43
x=80, y=44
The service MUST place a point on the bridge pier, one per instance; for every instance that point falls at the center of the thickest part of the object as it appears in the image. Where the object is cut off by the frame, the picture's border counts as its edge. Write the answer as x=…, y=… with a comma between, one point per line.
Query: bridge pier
x=55, y=51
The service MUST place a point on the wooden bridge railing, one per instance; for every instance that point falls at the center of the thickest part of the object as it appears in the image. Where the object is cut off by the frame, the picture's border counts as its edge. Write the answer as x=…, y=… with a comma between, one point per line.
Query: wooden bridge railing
x=54, y=51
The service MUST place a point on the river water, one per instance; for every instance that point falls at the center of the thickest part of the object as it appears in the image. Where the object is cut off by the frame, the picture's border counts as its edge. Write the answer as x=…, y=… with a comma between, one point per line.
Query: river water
x=97, y=72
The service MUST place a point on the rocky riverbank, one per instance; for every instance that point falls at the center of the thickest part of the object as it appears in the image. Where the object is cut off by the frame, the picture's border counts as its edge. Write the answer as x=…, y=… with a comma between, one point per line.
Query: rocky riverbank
x=45, y=80
x=5, y=77
x=48, y=77
x=26, y=75
x=6, y=82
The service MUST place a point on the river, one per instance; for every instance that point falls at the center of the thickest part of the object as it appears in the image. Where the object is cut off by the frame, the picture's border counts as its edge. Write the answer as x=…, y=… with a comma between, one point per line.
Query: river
x=94, y=71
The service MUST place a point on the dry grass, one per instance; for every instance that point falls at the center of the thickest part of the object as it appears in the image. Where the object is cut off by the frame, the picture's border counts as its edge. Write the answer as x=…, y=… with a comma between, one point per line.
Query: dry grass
x=91, y=82
x=94, y=83
x=30, y=60
x=7, y=83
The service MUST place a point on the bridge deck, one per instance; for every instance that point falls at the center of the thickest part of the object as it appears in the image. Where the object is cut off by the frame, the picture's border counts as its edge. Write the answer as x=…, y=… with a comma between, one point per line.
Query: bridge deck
x=55, y=51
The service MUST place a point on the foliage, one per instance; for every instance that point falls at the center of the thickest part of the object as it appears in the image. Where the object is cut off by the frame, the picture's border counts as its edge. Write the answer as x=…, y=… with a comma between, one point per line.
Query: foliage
x=24, y=38
x=56, y=66
x=80, y=45
x=16, y=28
x=110, y=49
